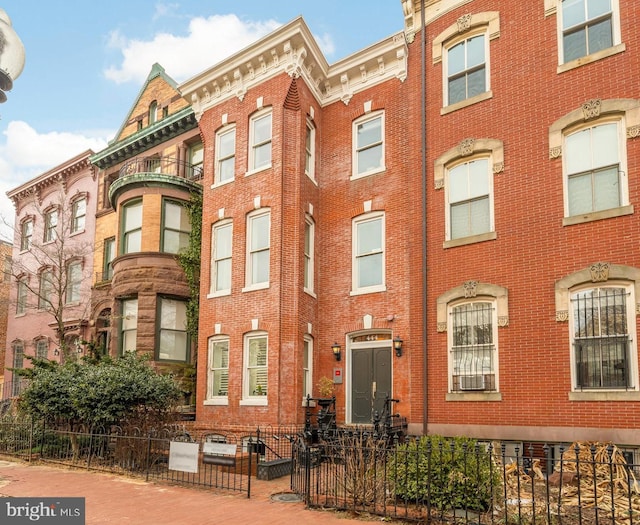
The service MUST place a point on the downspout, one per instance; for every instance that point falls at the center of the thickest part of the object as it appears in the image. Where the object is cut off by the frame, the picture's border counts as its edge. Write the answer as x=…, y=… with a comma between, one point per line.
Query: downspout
x=423, y=102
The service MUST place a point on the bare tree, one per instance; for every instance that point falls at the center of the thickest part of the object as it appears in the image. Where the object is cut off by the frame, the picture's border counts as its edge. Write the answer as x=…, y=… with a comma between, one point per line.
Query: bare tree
x=53, y=271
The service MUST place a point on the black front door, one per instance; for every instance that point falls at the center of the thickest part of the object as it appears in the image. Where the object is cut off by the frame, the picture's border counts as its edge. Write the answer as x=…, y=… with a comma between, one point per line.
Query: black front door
x=370, y=382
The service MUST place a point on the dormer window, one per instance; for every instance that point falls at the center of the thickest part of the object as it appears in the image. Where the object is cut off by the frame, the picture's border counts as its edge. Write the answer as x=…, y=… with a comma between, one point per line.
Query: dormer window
x=153, y=112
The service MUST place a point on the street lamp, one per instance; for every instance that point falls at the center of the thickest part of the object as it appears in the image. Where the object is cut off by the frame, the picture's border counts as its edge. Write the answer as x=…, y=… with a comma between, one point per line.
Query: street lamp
x=11, y=55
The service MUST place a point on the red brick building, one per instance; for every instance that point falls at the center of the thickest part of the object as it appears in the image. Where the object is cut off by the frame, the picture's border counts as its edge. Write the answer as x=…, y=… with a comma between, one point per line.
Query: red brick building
x=468, y=191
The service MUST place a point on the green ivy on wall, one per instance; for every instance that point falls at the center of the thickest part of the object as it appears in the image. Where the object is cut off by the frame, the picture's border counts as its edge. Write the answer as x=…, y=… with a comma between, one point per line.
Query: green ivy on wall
x=189, y=260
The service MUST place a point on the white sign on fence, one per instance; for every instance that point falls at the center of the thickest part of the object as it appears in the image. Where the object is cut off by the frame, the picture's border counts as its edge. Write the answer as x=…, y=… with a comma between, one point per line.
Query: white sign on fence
x=184, y=456
x=219, y=449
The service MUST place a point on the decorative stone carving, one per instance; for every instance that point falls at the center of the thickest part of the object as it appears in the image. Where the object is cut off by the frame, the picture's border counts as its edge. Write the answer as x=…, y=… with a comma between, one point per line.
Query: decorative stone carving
x=252, y=73
x=591, y=108
x=562, y=316
x=555, y=152
x=633, y=132
x=503, y=320
x=599, y=272
x=465, y=148
x=438, y=184
x=347, y=93
x=442, y=327
x=470, y=289
x=498, y=167
x=464, y=22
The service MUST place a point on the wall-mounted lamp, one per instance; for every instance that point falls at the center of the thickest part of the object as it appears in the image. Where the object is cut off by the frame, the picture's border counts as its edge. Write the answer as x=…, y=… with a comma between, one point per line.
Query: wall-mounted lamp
x=336, y=351
x=397, y=345
x=56, y=352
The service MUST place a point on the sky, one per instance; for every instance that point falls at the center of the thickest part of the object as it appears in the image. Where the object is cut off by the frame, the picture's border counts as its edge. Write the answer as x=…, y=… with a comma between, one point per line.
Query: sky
x=86, y=61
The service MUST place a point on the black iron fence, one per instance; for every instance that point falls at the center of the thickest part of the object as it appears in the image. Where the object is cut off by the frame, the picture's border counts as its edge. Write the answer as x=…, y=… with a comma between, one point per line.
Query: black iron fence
x=436, y=480
x=226, y=463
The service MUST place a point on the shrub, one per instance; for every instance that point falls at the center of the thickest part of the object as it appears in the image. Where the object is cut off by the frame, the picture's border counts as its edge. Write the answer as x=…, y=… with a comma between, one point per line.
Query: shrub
x=444, y=473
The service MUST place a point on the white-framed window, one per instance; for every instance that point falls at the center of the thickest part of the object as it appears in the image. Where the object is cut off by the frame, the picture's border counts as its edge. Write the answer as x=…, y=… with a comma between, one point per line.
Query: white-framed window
x=45, y=290
x=196, y=160
x=368, y=144
x=42, y=348
x=467, y=67
x=260, y=135
x=74, y=281
x=464, y=50
x=18, y=362
x=469, y=193
x=225, y=155
x=221, y=257
x=368, y=253
x=255, y=382
x=50, y=225
x=309, y=254
x=129, y=325
x=258, y=249
x=588, y=28
x=310, y=151
x=108, y=254
x=79, y=214
x=594, y=161
x=176, y=226
x=132, y=227
x=26, y=234
x=21, y=302
x=307, y=368
x=153, y=112
x=473, y=346
x=218, y=373
x=602, y=325
x=173, y=340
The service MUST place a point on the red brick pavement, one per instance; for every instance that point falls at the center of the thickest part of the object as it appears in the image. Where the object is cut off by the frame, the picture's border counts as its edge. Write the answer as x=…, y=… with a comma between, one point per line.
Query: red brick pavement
x=125, y=501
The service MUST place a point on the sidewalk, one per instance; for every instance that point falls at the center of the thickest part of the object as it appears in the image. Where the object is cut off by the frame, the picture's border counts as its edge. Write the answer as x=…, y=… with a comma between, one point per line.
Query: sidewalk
x=122, y=500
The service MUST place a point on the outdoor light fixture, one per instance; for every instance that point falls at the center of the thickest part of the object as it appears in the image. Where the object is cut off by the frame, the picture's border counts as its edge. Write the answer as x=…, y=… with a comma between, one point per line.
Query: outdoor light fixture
x=11, y=55
x=56, y=352
x=336, y=351
x=397, y=345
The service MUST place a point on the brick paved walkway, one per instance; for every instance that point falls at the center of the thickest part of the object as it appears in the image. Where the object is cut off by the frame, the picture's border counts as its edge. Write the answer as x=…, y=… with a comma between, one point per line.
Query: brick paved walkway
x=126, y=501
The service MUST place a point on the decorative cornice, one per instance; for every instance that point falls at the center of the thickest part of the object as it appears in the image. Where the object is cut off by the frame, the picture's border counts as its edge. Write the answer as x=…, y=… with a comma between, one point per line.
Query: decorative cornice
x=291, y=49
x=162, y=131
x=58, y=175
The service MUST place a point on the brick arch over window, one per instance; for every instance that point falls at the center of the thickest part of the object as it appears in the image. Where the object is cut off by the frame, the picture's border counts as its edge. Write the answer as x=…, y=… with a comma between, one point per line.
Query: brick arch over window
x=466, y=148
x=598, y=272
x=592, y=110
x=465, y=23
x=474, y=289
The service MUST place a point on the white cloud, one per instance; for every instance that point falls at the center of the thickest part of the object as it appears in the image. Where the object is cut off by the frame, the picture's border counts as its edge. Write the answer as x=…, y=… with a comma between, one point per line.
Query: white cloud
x=209, y=40
x=326, y=44
x=25, y=154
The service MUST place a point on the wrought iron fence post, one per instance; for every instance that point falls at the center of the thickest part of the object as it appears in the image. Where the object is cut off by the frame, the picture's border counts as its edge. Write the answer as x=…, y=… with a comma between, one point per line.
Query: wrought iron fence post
x=148, y=458
x=307, y=475
x=31, y=430
x=90, y=448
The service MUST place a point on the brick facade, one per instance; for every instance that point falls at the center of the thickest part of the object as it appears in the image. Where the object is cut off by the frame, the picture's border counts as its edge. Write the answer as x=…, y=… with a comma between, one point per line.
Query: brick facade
x=519, y=265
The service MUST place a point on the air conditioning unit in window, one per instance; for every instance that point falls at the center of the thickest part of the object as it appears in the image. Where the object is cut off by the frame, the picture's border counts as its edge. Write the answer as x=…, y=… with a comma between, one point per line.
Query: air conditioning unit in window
x=471, y=382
